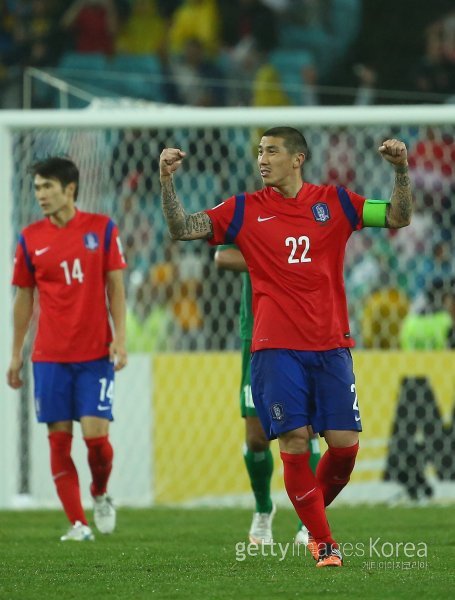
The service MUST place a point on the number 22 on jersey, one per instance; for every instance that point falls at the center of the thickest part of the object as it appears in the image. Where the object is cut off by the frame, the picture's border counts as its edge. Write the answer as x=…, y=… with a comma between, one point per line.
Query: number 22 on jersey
x=304, y=241
x=74, y=272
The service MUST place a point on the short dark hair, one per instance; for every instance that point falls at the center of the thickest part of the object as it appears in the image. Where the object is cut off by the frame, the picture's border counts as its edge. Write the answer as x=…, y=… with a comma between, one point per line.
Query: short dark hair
x=60, y=168
x=294, y=141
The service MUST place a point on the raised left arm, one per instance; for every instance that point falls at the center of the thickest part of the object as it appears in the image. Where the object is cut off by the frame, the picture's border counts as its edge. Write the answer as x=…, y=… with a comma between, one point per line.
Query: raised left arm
x=117, y=307
x=399, y=210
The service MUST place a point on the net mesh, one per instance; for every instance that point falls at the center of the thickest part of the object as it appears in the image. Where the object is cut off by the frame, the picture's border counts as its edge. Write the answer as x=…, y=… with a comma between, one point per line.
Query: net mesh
x=184, y=311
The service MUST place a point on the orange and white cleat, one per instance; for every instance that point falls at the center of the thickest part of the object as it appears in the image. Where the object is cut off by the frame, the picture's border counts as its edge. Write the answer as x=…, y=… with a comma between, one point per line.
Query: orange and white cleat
x=330, y=556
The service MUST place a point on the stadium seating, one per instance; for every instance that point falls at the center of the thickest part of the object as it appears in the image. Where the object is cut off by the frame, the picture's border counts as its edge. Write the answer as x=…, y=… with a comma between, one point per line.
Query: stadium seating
x=76, y=61
x=138, y=75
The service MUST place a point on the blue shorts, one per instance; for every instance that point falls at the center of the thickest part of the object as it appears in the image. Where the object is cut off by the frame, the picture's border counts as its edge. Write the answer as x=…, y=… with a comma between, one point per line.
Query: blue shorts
x=293, y=388
x=69, y=391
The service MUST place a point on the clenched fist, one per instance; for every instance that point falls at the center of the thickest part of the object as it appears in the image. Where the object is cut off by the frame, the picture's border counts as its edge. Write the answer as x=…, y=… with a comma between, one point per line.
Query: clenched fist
x=170, y=161
x=394, y=151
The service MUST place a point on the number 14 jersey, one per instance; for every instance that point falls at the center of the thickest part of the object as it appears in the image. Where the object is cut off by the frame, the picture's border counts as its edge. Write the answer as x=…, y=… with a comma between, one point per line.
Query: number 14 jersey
x=294, y=249
x=68, y=266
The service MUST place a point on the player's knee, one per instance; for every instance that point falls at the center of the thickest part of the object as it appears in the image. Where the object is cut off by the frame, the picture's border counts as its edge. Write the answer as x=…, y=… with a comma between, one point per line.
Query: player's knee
x=295, y=441
x=256, y=441
x=255, y=438
x=257, y=445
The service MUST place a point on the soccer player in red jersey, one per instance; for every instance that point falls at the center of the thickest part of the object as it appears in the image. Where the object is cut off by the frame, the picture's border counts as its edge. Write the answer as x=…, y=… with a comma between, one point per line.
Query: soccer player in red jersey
x=74, y=260
x=293, y=235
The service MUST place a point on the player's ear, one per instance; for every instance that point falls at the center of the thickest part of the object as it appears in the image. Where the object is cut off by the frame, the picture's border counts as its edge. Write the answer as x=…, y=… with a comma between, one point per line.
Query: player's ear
x=299, y=160
x=71, y=188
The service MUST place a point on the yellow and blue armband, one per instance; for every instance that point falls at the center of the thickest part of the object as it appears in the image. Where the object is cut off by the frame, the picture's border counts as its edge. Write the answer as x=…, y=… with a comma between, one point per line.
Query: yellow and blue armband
x=374, y=213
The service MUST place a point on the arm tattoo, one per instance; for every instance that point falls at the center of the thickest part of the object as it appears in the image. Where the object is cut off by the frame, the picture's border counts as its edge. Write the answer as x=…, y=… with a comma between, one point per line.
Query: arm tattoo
x=181, y=225
x=400, y=208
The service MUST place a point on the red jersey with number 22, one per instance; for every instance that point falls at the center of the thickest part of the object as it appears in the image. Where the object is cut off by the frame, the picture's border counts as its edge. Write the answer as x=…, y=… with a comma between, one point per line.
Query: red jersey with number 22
x=294, y=249
x=68, y=265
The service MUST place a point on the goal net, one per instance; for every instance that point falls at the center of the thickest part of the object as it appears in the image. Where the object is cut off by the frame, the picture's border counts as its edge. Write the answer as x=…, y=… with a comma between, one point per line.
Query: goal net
x=177, y=433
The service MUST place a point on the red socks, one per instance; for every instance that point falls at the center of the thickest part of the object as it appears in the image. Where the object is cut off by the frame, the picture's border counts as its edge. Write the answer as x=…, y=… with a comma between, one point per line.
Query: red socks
x=65, y=476
x=334, y=470
x=304, y=492
x=100, y=454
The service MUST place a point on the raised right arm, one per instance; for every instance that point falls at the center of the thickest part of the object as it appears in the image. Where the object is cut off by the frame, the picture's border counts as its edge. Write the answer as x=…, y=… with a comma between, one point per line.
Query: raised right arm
x=181, y=225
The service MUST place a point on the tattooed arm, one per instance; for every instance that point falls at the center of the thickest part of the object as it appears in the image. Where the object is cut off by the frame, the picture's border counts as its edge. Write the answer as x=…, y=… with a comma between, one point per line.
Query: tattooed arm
x=181, y=225
x=399, y=210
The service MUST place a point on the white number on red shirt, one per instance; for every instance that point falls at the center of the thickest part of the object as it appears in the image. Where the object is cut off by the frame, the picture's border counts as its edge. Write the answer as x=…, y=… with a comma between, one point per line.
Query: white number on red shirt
x=74, y=273
x=303, y=240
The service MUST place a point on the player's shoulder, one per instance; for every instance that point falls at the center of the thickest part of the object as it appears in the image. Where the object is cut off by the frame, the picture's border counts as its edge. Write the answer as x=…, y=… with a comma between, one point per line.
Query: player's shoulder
x=321, y=188
x=35, y=228
x=98, y=219
x=257, y=195
x=329, y=192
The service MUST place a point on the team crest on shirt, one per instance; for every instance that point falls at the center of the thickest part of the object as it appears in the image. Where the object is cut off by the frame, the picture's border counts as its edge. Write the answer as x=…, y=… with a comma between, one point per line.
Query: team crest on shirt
x=321, y=212
x=277, y=412
x=91, y=241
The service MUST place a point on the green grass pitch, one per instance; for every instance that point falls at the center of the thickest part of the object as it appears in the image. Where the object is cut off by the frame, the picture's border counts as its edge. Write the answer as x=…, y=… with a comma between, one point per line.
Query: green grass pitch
x=175, y=553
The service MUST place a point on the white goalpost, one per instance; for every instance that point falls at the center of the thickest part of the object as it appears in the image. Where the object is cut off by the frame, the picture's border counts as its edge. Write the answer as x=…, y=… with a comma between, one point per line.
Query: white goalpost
x=176, y=403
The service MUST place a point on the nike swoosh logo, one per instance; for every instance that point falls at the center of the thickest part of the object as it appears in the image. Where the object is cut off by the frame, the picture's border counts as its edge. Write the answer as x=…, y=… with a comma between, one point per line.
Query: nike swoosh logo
x=41, y=250
x=357, y=418
x=99, y=407
x=262, y=219
x=299, y=498
x=57, y=475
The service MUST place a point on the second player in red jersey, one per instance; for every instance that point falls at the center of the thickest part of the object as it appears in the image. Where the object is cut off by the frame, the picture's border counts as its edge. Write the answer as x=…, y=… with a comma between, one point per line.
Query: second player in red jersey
x=70, y=265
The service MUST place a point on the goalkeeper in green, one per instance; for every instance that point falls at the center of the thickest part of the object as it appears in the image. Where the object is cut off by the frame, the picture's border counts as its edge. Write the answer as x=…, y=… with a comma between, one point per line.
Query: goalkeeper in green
x=257, y=454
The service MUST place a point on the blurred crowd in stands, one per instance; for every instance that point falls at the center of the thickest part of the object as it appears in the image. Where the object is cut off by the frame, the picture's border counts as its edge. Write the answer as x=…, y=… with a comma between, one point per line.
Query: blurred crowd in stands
x=238, y=52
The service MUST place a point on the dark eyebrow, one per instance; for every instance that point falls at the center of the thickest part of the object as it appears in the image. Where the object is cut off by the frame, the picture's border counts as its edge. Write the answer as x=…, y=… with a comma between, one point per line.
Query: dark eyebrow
x=270, y=147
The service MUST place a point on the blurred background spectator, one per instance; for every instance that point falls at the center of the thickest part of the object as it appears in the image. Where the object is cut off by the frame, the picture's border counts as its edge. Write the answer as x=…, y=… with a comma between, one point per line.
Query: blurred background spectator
x=93, y=25
x=195, y=19
x=193, y=78
x=143, y=31
x=432, y=326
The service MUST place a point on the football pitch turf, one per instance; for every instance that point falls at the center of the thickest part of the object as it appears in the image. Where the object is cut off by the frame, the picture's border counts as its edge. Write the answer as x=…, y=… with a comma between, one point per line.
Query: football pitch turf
x=177, y=553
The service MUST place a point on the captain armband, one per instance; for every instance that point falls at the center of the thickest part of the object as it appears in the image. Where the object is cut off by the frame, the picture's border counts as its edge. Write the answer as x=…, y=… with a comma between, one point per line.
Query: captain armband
x=374, y=213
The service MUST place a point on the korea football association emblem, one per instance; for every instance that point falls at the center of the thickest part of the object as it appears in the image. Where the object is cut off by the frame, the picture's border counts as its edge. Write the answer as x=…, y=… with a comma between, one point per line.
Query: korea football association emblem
x=321, y=212
x=277, y=412
x=91, y=241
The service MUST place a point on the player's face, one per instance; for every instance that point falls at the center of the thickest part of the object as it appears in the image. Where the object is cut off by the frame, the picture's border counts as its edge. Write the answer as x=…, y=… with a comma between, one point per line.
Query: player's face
x=276, y=164
x=52, y=196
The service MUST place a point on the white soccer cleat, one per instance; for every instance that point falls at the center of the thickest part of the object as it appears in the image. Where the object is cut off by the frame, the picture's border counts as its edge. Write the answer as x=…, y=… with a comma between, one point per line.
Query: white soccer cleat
x=78, y=533
x=104, y=513
x=301, y=536
x=261, y=528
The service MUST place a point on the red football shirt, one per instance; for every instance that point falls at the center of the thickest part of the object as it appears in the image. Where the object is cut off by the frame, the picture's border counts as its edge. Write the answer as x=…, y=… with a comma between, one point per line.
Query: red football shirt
x=68, y=265
x=294, y=248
